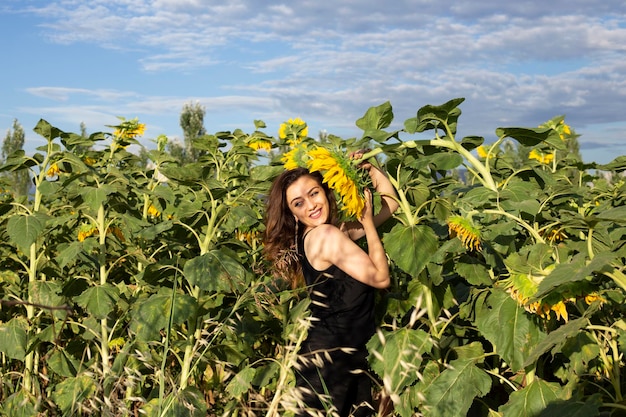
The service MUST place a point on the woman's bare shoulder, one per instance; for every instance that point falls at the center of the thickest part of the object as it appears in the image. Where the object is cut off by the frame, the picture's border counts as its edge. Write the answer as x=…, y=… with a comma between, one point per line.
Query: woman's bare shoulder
x=324, y=231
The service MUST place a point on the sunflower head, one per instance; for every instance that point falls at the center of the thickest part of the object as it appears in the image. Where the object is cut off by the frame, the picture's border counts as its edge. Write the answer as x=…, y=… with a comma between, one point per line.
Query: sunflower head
x=126, y=133
x=466, y=231
x=293, y=130
x=543, y=158
x=559, y=126
x=341, y=175
x=259, y=144
x=296, y=157
x=53, y=171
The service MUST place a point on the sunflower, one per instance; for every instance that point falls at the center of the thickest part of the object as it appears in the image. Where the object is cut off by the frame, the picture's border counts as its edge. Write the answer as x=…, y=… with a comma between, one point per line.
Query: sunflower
x=53, y=171
x=294, y=130
x=260, y=144
x=85, y=231
x=481, y=151
x=129, y=129
x=554, y=235
x=544, y=158
x=465, y=230
x=340, y=175
x=153, y=212
x=522, y=287
x=296, y=157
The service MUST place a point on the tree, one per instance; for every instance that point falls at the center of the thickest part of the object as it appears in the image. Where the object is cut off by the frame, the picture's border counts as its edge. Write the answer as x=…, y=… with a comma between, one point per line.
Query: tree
x=13, y=142
x=192, y=123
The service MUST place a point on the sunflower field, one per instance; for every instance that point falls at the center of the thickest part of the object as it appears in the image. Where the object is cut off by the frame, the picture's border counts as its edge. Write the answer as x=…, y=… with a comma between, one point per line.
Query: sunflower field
x=131, y=288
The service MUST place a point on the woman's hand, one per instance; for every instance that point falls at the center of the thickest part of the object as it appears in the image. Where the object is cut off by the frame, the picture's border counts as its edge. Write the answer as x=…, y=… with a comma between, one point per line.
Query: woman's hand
x=366, y=165
x=368, y=211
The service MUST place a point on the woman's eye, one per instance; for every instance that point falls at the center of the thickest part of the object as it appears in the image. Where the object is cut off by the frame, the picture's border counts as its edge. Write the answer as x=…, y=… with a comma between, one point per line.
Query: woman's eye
x=298, y=204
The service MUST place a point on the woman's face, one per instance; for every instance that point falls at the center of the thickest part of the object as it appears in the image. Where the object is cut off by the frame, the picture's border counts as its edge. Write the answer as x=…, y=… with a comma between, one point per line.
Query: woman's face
x=307, y=201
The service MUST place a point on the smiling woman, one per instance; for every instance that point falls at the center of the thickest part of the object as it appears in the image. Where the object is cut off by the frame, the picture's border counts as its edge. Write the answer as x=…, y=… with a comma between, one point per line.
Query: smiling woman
x=341, y=279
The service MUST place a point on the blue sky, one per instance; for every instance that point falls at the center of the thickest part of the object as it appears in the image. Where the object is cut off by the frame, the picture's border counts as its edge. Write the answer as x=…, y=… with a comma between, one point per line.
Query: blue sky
x=516, y=64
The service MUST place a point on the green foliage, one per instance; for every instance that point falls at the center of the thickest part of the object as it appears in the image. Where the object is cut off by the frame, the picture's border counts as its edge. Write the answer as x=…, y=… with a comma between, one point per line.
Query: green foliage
x=130, y=287
x=12, y=146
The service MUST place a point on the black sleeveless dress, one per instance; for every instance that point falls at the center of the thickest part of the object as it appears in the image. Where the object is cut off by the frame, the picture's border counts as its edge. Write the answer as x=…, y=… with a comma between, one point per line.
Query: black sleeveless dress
x=343, y=317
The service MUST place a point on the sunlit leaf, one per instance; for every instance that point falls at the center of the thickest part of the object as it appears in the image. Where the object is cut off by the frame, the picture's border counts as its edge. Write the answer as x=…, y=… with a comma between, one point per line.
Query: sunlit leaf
x=24, y=230
x=509, y=328
x=396, y=356
x=241, y=382
x=63, y=364
x=13, y=338
x=20, y=404
x=453, y=391
x=531, y=400
x=153, y=315
x=376, y=118
x=411, y=247
x=576, y=270
x=215, y=271
x=72, y=391
x=99, y=300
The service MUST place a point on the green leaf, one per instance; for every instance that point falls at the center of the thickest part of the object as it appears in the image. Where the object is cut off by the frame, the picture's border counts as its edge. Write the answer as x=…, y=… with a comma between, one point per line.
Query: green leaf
x=72, y=391
x=47, y=188
x=20, y=404
x=452, y=392
x=525, y=136
x=45, y=129
x=186, y=403
x=508, y=327
x=472, y=142
x=531, y=400
x=95, y=196
x=411, y=247
x=242, y=218
x=99, y=301
x=153, y=314
x=263, y=173
x=617, y=165
x=376, y=118
x=215, y=271
x=445, y=161
x=576, y=270
x=241, y=382
x=556, y=338
x=616, y=214
x=69, y=253
x=13, y=338
x=431, y=117
x=474, y=272
x=62, y=363
x=396, y=356
x=24, y=230
x=47, y=293
x=263, y=375
x=573, y=408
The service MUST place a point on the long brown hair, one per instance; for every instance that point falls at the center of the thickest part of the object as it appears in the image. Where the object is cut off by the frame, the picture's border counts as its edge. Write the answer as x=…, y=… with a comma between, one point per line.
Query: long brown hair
x=280, y=225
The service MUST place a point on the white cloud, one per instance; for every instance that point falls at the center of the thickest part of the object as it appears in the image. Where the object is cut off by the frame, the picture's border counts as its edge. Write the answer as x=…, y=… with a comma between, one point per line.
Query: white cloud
x=64, y=93
x=515, y=62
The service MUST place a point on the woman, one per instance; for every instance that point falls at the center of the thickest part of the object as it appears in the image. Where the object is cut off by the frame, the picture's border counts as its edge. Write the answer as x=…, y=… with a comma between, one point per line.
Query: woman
x=341, y=279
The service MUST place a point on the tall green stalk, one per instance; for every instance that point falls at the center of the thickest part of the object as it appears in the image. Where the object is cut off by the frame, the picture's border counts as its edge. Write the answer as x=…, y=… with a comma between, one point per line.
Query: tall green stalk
x=30, y=364
x=195, y=323
x=104, y=328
